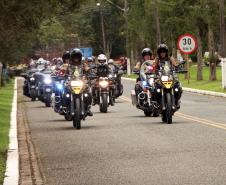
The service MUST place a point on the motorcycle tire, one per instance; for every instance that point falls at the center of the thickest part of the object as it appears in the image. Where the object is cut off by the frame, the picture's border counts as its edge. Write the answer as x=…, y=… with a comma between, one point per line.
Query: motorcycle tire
x=48, y=101
x=147, y=113
x=169, y=108
x=33, y=98
x=104, y=103
x=164, y=118
x=77, y=116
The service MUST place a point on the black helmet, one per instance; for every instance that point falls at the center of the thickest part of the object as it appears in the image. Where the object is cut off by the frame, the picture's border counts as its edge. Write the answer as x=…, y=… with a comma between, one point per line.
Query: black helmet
x=146, y=51
x=66, y=55
x=162, y=47
x=76, y=53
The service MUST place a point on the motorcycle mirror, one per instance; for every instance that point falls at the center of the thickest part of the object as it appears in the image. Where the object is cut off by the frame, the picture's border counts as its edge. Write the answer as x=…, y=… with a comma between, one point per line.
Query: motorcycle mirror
x=24, y=75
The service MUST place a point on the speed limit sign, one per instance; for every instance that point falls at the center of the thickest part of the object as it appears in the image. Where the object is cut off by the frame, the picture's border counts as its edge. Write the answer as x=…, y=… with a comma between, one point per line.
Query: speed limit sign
x=187, y=44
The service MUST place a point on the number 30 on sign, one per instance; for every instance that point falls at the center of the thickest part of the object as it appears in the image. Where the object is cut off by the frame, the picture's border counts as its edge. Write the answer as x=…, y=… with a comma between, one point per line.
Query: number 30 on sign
x=187, y=44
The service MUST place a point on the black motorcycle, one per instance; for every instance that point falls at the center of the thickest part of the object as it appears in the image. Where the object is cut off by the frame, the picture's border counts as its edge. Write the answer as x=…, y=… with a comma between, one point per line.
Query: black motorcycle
x=30, y=84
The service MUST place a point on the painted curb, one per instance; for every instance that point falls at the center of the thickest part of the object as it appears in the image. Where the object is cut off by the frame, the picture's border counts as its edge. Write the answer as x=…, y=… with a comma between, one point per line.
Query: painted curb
x=12, y=163
x=210, y=93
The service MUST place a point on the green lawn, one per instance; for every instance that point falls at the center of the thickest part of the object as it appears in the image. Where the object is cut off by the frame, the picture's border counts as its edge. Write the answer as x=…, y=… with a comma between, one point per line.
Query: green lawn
x=205, y=84
x=6, y=95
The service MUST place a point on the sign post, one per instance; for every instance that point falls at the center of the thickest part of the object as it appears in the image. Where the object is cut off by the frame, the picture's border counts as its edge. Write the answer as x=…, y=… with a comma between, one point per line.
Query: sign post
x=187, y=44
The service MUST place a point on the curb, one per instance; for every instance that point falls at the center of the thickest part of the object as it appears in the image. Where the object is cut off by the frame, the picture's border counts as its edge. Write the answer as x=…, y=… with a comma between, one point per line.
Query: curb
x=203, y=92
x=12, y=163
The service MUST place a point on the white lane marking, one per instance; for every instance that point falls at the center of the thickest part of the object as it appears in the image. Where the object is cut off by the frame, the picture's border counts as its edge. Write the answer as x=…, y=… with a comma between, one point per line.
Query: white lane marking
x=12, y=163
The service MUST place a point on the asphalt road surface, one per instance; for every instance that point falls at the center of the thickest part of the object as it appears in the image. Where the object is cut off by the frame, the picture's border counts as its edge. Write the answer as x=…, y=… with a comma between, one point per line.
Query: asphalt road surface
x=124, y=147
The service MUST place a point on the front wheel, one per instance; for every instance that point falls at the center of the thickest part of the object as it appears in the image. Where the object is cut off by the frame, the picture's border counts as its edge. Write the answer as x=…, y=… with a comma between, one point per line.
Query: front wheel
x=169, y=108
x=77, y=116
x=48, y=101
x=104, y=103
x=33, y=97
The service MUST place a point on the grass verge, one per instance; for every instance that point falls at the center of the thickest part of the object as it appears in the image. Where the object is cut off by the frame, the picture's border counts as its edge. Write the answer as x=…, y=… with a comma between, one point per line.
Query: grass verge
x=6, y=96
x=205, y=84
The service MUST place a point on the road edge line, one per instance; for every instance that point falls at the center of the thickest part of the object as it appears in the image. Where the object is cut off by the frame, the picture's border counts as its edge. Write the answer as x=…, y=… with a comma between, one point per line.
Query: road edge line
x=197, y=91
x=12, y=163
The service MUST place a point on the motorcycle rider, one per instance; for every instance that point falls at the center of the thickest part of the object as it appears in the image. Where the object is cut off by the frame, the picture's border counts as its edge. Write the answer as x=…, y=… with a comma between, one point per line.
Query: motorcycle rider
x=146, y=55
x=76, y=62
x=163, y=56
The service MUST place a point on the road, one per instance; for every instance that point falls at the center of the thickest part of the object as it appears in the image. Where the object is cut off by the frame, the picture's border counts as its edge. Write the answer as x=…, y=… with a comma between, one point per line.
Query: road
x=124, y=147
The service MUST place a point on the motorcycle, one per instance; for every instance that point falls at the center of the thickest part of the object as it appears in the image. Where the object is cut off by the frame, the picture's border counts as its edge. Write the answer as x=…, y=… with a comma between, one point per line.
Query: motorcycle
x=32, y=88
x=58, y=91
x=29, y=87
x=118, y=83
x=79, y=99
x=168, y=90
x=146, y=100
x=104, y=89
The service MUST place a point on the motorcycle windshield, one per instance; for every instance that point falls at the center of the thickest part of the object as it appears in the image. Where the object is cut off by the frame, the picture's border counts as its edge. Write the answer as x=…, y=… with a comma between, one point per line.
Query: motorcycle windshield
x=148, y=67
x=165, y=67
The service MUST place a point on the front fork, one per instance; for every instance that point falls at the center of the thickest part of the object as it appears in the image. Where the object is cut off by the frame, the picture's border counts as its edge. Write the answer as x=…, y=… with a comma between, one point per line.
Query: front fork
x=164, y=99
x=73, y=96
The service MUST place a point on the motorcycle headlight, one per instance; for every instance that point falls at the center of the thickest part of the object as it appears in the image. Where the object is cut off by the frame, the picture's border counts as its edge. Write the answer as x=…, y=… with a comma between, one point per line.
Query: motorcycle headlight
x=165, y=78
x=59, y=86
x=110, y=76
x=103, y=84
x=144, y=83
x=32, y=79
x=76, y=83
x=47, y=81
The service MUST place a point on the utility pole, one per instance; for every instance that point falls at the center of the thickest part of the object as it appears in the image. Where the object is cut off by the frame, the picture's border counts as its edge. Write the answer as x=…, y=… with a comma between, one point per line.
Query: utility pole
x=222, y=29
x=102, y=27
x=125, y=11
x=127, y=27
x=158, y=31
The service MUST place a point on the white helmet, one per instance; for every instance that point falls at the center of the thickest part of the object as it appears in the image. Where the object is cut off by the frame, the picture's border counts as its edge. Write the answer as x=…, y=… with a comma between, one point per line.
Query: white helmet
x=102, y=58
x=41, y=61
x=110, y=61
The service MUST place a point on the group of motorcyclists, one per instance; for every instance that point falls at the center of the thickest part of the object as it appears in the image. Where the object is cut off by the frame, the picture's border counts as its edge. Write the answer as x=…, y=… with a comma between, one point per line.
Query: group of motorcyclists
x=72, y=84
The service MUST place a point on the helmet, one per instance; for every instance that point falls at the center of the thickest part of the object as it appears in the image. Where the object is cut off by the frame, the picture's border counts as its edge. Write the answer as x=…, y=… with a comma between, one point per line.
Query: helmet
x=110, y=61
x=102, y=58
x=40, y=61
x=146, y=51
x=66, y=55
x=76, y=53
x=162, y=47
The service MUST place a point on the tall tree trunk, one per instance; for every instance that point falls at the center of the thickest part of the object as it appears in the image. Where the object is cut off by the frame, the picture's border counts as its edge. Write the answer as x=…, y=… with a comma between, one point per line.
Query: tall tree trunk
x=157, y=19
x=222, y=29
x=199, y=57
x=212, y=60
